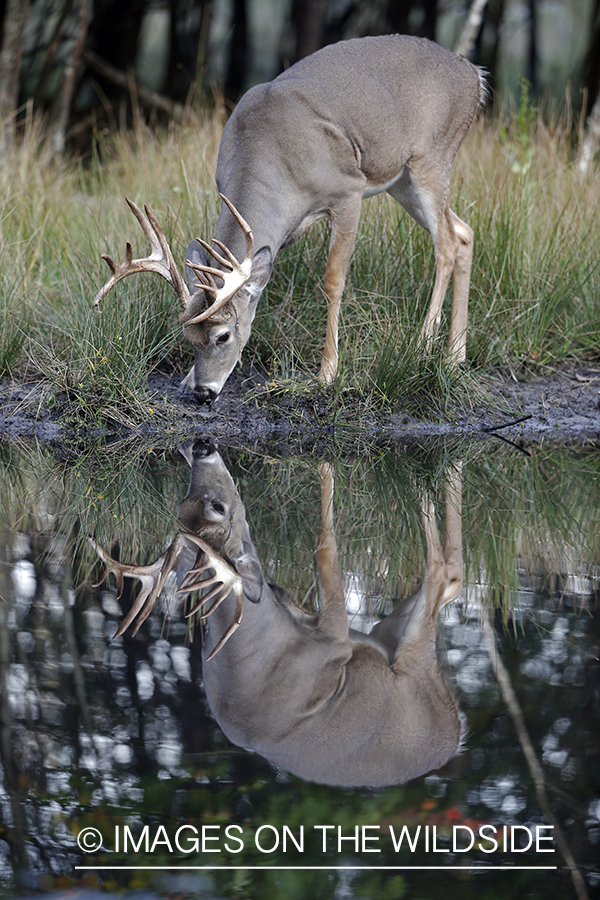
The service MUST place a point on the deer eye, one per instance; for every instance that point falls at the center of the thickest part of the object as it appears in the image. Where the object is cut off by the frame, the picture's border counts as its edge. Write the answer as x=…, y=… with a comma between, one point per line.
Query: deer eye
x=223, y=338
x=218, y=508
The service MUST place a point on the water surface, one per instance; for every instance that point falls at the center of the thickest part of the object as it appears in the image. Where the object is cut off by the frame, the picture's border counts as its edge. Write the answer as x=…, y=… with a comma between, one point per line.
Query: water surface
x=133, y=736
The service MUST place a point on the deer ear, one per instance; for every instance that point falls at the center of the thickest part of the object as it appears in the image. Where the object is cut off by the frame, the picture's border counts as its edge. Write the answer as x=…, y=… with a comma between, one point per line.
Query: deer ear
x=262, y=266
x=195, y=254
x=250, y=571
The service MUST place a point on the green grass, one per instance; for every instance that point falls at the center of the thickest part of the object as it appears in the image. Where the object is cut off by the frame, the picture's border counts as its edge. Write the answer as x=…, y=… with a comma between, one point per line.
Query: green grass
x=535, y=285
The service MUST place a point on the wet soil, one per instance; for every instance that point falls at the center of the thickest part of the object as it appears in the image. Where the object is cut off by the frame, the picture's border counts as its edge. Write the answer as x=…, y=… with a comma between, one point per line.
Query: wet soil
x=563, y=405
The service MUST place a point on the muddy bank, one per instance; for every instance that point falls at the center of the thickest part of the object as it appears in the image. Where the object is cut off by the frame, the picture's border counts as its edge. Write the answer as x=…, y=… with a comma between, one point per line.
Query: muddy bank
x=561, y=406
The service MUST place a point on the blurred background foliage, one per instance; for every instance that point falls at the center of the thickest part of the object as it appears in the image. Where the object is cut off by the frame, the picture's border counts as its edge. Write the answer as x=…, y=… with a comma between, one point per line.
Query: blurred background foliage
x=91, y=65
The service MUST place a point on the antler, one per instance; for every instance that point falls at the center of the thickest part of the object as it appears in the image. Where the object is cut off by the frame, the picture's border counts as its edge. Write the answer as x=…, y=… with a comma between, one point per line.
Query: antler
x=221, y=584
x=235, y=275
x=160, y=260
x=153, y=576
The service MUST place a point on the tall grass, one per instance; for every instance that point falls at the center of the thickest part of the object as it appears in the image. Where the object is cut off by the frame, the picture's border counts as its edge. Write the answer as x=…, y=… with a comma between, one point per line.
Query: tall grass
x=537, y=273
x=534, y=296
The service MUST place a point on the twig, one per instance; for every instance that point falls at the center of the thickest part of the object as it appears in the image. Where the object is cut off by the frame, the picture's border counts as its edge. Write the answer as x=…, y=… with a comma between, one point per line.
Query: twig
x=533, y=763
x=512, y=444
x=489, y=430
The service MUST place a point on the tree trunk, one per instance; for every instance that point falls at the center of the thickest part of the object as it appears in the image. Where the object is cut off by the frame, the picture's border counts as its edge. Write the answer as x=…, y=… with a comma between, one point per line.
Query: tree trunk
x=15, y=16
x=67, y=89
x=591, y=66
x=188, y=27
x=51, y=53
x=532, y=61
x=466, y=42
x=592, y=85
x=238, y=58
x=114, y=35
x=591, y=138
x=309, y=19
x=398, y=14
x=430, y=19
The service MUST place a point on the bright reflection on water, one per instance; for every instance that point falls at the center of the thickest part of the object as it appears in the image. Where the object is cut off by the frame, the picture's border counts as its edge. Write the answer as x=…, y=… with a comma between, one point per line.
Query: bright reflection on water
x=119, y=735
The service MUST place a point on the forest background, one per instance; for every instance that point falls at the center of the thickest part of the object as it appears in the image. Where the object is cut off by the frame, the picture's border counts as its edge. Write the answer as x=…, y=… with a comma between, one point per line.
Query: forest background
x=84, y=63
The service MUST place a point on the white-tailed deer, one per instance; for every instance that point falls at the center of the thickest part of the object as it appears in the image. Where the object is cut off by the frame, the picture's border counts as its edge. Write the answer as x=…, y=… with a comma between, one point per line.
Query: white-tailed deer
x=354, y=119
x=314, y=697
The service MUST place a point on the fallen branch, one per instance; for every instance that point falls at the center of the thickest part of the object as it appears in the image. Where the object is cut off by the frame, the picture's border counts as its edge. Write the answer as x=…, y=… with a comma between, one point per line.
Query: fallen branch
x=122, y=80
x=507, y=424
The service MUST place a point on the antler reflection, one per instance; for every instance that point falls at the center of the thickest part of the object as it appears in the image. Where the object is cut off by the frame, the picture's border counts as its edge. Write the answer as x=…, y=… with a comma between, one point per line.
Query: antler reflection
x=219, y=586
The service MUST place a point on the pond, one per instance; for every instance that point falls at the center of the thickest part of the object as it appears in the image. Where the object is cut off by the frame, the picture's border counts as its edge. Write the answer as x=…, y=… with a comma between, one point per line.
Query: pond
x=402, y=694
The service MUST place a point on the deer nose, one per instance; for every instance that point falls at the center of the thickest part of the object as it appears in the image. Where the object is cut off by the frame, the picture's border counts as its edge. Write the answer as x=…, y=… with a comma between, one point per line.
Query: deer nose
x=204, y=447
x=204, y=395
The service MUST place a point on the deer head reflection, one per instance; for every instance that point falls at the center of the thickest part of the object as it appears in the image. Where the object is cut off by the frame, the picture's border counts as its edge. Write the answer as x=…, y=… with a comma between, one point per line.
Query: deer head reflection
x=303, y=689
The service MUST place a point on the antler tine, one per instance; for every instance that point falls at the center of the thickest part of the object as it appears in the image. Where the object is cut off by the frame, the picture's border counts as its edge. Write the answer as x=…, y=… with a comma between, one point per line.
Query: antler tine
x=205, y=280
x=225, y=581
x=152, y=578
x=243, y=225
x=234, y=274
x=237, y=618
x=225, y=575
x=224, y=262
x=160, y=260
x=151, y=229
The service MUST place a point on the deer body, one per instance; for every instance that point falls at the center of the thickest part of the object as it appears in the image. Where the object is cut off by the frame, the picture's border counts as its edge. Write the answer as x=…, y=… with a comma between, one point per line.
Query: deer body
x=330, y=708
x=314, y=697
x=352, y=120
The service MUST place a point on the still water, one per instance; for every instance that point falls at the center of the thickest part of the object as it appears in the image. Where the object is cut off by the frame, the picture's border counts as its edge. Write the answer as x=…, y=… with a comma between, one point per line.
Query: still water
x=396, y=691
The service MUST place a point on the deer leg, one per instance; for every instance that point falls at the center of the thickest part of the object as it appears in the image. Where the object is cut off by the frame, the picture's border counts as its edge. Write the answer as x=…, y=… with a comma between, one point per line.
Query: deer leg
x=461, y=278
x=343, y=234
x=390, y=630
x=424, y=195
x=446, y=250
x=333, y=618
x=453, y=542
x=416, y=648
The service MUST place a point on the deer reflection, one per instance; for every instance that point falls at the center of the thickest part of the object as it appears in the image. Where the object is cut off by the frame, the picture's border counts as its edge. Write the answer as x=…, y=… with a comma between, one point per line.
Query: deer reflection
x=303, y=689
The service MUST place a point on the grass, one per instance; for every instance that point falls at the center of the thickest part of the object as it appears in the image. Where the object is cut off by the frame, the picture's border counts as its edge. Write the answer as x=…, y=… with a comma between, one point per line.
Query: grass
x=534, y=296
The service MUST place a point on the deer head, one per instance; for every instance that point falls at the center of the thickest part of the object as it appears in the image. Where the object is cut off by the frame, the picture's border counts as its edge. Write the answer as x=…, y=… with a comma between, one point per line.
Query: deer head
x=218, y=303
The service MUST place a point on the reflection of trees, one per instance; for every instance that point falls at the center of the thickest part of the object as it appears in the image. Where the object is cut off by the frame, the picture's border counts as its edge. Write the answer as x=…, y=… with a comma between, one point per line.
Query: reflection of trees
x=534, y=734
x=529, y=753
x=83, y=720
x=16, y=838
